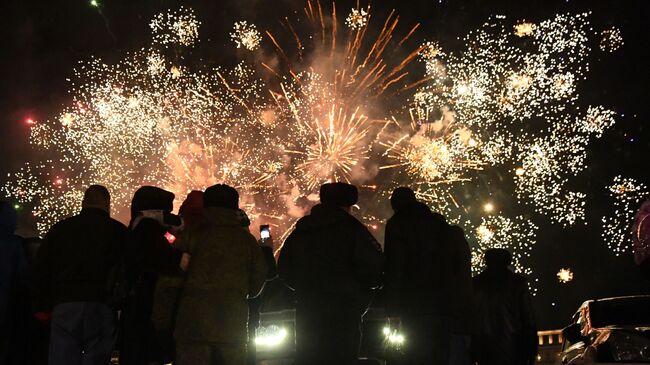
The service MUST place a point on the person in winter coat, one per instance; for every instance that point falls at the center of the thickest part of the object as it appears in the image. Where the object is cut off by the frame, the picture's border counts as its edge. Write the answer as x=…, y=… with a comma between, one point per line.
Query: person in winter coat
x=641, y=241
x=149, y=254
x=72, y=271
x=14, y=293
x=419, y=277
x=226, y=268
x=507, y=334
x=332, y=262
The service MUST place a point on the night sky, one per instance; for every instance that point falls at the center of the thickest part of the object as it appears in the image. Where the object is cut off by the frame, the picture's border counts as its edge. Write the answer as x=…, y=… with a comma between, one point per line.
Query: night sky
x=43, y=41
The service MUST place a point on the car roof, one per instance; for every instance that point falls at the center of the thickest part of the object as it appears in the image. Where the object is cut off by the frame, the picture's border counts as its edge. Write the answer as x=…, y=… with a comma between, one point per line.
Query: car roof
x=614, y=299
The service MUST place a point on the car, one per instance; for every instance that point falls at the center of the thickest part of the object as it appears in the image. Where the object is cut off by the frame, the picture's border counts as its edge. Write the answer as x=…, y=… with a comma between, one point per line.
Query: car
x=610, y=330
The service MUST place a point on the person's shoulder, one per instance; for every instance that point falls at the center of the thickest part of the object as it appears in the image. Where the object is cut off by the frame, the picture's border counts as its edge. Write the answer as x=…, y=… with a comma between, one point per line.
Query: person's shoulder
x=480, y=279
x=519, y=280
x=65, y=223
x=117, y=224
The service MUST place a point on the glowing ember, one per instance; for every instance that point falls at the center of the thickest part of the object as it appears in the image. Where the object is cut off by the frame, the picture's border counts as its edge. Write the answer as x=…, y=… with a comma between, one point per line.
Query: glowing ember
x=246, y=36
x=524, y=29
x=357, y=19
x=565, y=275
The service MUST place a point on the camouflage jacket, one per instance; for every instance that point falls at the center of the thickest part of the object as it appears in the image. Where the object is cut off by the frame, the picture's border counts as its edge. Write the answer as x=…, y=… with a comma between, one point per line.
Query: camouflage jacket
x=226, y=268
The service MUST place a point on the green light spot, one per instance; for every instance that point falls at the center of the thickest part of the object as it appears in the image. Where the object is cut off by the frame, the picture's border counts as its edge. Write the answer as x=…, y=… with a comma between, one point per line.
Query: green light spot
x=94, y=3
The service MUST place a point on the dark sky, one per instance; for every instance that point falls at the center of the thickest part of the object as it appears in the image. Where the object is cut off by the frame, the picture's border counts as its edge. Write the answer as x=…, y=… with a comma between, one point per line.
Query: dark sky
x=43, y=40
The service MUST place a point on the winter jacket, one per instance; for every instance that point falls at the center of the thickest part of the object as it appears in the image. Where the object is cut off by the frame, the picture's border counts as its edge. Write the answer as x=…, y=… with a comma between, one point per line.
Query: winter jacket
x=74, y=261
x=419, y=263
x=13, y=265
x=226, y=268
x=331, y=254
x=148, y=255
x=507, y=334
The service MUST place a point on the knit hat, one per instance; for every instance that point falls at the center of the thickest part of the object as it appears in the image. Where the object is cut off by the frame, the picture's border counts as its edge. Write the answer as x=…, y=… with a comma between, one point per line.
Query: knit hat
x=402, y=197
x=221, y=196
x=339, y=194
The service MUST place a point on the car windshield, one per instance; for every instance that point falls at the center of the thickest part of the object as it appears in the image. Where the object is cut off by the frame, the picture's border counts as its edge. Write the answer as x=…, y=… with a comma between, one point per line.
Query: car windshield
x=632, y=311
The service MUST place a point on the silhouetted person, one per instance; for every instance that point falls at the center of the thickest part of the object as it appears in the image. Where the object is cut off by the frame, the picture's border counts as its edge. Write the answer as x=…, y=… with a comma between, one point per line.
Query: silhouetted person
x=463, y=318
x=419, y=277
x=226, y=268
x=169, y=286
x=148, y=255
x=255, y=304
x=14, y=294
x=72, y=271
x=507, y=334
x=332, y=262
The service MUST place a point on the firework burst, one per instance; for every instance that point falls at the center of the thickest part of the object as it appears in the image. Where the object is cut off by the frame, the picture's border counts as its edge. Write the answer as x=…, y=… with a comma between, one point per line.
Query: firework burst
x=341, y=99
x=617, y=227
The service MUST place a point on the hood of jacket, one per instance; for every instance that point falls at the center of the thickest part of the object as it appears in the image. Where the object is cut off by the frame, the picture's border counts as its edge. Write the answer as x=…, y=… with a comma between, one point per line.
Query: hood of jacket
x=192, y=208
x=322, y=215
x=8, y=219
x=151, y=198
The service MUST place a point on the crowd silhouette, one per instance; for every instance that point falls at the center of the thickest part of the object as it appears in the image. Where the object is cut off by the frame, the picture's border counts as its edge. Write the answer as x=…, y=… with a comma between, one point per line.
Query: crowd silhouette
x=185, y=289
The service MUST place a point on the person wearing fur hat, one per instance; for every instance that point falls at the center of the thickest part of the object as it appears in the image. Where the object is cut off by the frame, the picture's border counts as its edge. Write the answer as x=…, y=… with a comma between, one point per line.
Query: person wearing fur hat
x=332, y=262
x=419, y=277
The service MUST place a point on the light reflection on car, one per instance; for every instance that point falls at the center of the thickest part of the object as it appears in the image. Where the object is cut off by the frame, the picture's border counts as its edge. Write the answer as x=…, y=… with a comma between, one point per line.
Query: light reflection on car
x=611, y=330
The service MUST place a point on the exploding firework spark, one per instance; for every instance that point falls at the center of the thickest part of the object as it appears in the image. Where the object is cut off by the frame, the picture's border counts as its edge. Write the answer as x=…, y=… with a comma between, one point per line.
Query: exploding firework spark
x=357, y=19
x=180, y=27
x=565, y=275
x=524, y=29
x=611, y=40
x=617, y=227
x=246, y=36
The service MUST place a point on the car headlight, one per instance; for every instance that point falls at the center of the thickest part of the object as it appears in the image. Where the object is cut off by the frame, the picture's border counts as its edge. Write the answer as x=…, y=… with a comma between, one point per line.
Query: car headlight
x=393, y=337
x=270, y=336
x=629, y=347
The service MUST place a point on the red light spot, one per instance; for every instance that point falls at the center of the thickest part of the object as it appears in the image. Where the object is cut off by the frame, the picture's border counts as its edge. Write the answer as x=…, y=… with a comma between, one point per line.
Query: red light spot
x=170, y=238
x=30, y=121
x=58, y=181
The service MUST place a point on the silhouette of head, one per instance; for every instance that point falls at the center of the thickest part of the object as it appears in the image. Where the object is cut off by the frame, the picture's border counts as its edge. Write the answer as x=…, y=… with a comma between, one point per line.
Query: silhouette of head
x=192, y=208
x=339, y=194
x=151, y=198
x=401, y=198
x=497, y=258
x=97, y=196
x=221, y=196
